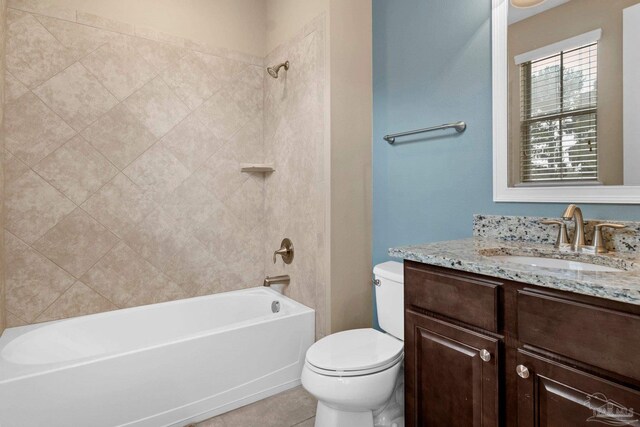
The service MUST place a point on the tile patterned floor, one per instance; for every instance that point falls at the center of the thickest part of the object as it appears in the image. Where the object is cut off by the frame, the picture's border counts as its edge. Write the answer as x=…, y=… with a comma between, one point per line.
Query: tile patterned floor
x=292, y=408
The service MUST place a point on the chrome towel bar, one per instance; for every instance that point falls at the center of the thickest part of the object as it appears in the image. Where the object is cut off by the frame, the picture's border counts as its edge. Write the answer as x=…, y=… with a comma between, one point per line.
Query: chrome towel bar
x=458, y=126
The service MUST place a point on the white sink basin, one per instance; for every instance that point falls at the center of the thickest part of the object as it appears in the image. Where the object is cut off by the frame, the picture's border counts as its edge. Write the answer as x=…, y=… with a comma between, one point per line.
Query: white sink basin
x=560, y=264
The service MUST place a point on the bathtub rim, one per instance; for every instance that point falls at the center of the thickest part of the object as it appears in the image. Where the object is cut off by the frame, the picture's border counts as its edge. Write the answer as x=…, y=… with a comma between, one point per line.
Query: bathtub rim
x=25, y=371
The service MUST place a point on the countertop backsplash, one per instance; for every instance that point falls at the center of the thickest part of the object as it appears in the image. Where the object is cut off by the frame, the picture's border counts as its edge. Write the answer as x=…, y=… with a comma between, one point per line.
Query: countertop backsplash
x=529, y=229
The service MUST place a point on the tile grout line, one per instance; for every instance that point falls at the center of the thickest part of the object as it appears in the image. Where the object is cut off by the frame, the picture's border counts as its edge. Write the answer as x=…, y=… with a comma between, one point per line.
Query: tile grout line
x=304, y=421
x=60, y=191
x=63, y=69
x=141, y=124
x=146, y=259
x=124, y=242
x=35, y=321
x=156, y=74
x=44, y=14
x=79, y=279
x=53, y=262
x=15, y=99
x=104, y=28
x=186, y=42
x=158, y=139
x=122, y=238
x=18, y=317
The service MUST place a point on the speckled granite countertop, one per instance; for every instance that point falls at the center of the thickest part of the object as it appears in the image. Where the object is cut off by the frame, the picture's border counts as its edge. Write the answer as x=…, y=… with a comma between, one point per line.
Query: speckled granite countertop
x=475, y=255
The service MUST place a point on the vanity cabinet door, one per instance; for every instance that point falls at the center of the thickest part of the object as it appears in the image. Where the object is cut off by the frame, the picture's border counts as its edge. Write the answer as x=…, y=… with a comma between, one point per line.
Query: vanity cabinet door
x=554, y=395
x=451, y=374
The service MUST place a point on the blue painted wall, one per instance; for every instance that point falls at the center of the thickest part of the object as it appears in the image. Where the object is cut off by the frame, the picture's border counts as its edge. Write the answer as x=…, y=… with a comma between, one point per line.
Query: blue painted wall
x=432, y=65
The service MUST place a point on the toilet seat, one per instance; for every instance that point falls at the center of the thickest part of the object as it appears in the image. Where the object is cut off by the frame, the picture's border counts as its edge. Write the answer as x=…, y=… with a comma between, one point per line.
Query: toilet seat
x=354, y=353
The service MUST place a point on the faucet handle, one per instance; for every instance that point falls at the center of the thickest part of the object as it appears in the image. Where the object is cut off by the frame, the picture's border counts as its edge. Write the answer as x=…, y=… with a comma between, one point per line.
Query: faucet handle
x=610, y=225
x=599, y=244
x=285, y=251
x=563, y=236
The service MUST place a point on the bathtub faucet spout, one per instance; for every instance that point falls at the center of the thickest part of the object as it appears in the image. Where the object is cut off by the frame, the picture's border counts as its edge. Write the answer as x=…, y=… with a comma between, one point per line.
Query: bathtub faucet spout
x=277, y=280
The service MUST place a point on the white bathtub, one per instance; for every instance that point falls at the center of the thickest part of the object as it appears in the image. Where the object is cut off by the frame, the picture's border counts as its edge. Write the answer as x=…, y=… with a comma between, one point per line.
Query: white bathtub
x=165, y=364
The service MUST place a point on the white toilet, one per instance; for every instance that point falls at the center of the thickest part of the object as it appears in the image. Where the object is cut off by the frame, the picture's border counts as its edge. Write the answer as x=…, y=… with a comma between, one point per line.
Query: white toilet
x=357, y=375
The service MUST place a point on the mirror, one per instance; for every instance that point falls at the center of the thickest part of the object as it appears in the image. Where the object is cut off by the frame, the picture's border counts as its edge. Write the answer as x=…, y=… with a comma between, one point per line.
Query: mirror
x=567, y=101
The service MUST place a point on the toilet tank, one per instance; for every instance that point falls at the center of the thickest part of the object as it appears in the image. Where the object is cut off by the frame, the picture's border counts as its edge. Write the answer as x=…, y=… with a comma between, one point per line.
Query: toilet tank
x=389, y=281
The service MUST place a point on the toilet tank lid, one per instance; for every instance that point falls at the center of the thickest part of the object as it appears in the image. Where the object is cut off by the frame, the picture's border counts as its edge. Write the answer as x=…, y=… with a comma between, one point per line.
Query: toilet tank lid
x=390, y=270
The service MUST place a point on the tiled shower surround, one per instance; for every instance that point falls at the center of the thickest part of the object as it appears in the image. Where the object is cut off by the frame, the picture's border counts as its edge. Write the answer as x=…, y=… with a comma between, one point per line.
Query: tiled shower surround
x=294, y=194
x=123, y=152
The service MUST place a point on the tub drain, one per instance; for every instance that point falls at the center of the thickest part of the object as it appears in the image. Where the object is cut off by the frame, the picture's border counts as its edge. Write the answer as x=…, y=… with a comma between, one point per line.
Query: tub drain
x=275, y=306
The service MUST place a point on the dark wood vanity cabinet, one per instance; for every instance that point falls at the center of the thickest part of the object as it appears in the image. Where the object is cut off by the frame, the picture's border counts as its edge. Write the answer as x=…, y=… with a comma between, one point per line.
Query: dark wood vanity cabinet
x=481, y=351
x=450, y=384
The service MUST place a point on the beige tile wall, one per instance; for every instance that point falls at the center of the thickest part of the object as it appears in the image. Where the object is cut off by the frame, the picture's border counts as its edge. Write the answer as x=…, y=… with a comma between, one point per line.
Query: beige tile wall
x=122, y=167
x=234, y=25
x=3, y=14
x=294, y=136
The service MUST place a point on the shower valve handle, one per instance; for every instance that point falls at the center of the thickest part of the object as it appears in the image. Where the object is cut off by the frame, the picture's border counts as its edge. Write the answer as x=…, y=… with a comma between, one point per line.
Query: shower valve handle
x=285, y=251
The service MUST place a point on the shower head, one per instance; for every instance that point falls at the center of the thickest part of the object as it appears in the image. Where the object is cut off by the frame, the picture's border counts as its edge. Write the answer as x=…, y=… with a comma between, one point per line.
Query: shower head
x=273, y=71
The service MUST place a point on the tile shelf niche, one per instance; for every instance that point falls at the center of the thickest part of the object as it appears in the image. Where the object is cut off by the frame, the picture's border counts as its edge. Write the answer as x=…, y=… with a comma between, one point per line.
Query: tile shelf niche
x=257, y=167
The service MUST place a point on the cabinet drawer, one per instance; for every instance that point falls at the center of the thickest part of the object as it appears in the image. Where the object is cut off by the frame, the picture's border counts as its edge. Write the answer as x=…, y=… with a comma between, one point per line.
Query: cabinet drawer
x=598, y=336
x=466, y=298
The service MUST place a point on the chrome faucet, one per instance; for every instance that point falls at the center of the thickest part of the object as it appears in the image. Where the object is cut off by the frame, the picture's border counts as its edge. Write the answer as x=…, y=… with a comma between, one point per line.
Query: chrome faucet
x=575, y=213
x=277, y=280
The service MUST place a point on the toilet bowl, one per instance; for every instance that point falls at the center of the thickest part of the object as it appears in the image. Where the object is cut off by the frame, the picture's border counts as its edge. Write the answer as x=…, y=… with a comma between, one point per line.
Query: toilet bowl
x=357, y=375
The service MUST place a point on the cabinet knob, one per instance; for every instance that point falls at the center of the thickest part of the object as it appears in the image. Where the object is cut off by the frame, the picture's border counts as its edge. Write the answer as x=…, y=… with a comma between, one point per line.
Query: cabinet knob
x=485, y=355
x=522, y=371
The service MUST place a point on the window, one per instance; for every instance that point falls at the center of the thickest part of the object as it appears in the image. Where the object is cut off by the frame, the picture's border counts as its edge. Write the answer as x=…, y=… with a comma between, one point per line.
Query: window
x=558, y=119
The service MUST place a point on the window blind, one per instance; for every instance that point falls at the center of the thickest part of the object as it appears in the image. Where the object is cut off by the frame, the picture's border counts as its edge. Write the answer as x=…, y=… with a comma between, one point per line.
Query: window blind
x=558, y=122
